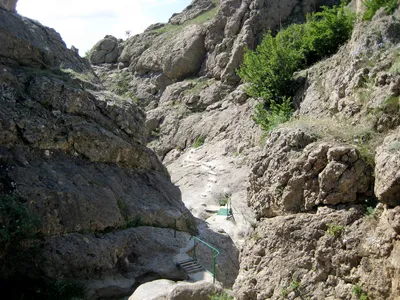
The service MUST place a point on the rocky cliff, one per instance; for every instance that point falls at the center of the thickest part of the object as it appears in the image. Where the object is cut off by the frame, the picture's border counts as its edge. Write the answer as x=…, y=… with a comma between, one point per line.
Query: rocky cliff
x=76, y=155
x=314, y=185
x=315, y=202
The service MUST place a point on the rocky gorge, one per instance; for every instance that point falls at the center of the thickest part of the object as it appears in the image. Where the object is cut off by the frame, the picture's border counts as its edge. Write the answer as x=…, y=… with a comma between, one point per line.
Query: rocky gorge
x=136, y=148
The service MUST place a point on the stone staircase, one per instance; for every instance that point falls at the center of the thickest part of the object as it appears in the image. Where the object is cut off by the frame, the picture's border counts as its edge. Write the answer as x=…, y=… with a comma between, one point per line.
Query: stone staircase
x=190, y=266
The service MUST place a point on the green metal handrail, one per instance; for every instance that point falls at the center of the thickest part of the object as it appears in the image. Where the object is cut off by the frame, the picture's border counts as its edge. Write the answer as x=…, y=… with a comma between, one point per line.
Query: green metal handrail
x=216, y=253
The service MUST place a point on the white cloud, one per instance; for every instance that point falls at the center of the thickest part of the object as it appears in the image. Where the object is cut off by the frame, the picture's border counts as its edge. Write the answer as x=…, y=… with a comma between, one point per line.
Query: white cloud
x=84, y=22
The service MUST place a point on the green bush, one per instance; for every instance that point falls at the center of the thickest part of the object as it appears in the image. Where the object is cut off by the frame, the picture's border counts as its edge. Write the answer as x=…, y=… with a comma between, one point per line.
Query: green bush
x=270, y=117
x=373, y=6
x=269, y=69
x=326, y=31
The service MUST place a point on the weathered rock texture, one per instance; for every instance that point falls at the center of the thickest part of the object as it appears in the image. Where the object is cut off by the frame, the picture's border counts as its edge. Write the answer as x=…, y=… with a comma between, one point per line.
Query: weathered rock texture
x=387, y=171
x=296, y=257
x=22, y=47
x=318, y=165
x=169, y=290
x=79, y=159
x=105, y=51
x=306, y=180
x=296, y=174
x=9, y=5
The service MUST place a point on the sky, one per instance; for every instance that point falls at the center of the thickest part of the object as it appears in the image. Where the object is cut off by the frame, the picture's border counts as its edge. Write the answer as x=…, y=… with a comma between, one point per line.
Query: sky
x=83, y=23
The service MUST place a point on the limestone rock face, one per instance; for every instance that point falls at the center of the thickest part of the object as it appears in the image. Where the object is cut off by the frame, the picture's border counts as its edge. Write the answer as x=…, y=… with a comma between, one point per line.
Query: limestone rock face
x=298, y=256
x=360, y=82
x=196, y=8
x=20, y=45
x=9, y=5
x=78, y=157
x=387, y=170
x=115, y=263
x=106, y=51
x=297, y=174
x=177, y=58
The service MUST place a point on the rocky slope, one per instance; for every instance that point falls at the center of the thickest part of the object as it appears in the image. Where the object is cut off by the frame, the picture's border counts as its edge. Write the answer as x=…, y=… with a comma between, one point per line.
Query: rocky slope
x=183, y=73
x=312, y=185
x=77, y=155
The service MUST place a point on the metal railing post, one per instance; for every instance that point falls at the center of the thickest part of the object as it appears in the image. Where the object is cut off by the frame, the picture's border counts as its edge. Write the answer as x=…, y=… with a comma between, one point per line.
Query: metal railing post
x=214, y=270
x=215, y=254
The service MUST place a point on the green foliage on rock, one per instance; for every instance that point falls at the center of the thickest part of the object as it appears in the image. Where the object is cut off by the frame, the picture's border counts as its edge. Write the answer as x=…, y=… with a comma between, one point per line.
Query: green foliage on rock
x=326, y=31
x=373, y=6
x=198, y=142
x=360, y=293
x=269, y=69
x=335, y=230
x=277, y=113
x=220, y=296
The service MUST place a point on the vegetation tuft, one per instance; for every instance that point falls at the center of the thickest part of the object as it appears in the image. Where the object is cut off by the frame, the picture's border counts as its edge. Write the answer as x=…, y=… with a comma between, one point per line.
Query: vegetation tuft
x=277, y=113
x=220, y=296
x=373, y=6
x=198, y=142
x=360, y=293
x=269, y=69
x=224, y=199
x=335, y=230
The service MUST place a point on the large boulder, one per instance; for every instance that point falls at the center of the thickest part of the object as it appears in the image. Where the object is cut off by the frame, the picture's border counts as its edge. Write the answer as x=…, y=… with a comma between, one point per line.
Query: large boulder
x=170, y=290
x=296, y=174
x=9, y=5
x=387, y=170
x=177, y=57
x=106, y=50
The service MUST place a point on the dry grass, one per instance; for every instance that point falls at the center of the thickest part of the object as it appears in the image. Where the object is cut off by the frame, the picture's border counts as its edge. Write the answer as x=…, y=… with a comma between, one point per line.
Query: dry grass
x=363, y=135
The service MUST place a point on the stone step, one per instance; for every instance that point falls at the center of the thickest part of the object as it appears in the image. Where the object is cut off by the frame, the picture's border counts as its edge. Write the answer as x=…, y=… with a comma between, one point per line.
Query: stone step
x=190, y=266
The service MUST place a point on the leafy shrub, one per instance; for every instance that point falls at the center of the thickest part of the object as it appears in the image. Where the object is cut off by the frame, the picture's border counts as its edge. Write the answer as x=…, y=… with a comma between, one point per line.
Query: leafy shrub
x=269, y=69
x=373, y=6
x=269, y=118
x=326, y=31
